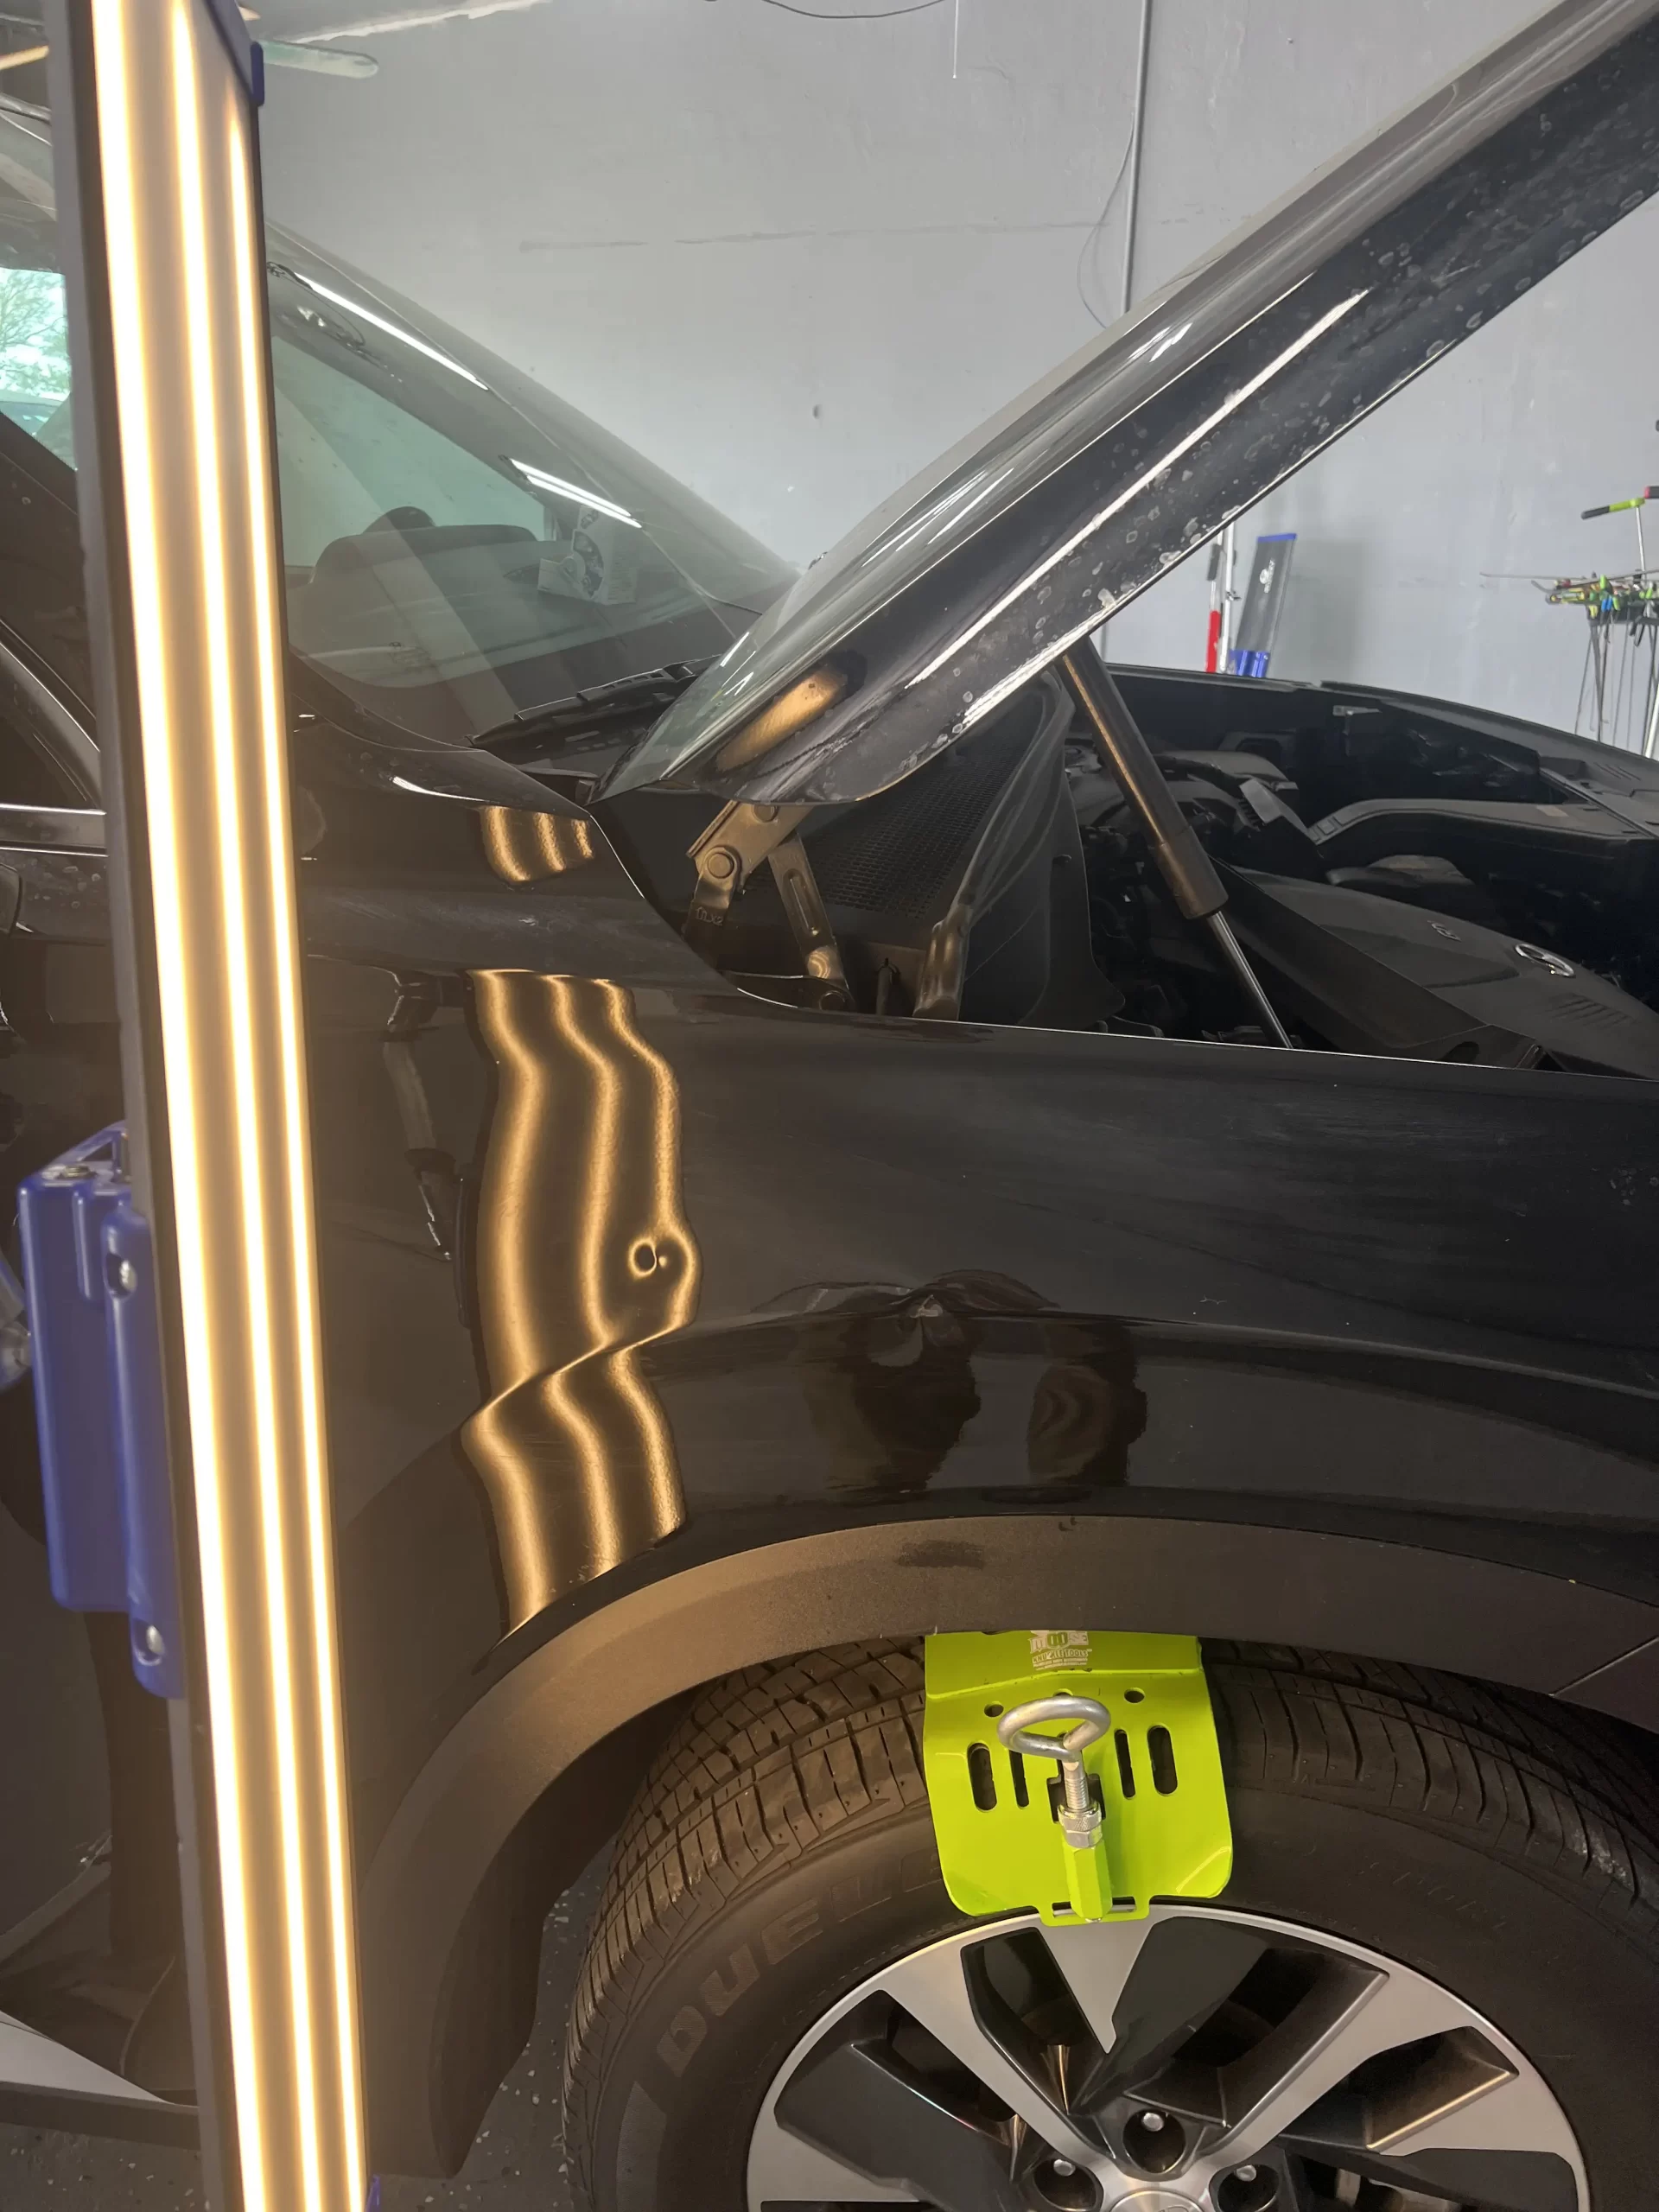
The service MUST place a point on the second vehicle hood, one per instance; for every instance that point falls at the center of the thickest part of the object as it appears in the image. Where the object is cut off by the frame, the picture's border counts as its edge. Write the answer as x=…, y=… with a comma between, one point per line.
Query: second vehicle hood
x=1136, y=452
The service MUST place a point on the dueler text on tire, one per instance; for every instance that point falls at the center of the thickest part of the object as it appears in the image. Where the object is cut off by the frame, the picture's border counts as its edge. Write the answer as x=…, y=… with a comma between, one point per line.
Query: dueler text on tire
x=1432, y=1982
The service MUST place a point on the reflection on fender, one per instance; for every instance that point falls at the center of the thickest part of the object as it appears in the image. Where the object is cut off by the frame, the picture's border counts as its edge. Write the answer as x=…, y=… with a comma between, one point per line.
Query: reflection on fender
x=583, y=1254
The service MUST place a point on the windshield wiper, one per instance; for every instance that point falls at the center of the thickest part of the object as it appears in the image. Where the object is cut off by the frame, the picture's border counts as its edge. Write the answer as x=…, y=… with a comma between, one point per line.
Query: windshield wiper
x=600, y=708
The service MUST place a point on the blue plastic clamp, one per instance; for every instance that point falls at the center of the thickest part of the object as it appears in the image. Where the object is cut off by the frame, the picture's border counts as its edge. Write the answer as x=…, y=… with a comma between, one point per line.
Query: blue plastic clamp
x=89, y=1277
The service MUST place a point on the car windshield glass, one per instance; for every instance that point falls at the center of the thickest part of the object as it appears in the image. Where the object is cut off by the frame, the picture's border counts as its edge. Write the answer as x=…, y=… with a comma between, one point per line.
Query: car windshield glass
x=459, y=546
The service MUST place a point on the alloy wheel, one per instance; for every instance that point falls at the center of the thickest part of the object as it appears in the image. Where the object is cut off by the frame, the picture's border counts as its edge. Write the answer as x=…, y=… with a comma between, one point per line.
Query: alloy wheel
x=1197, y=2061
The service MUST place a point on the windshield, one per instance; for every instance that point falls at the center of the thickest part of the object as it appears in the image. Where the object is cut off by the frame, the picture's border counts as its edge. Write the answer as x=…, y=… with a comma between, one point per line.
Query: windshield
x=460, y=547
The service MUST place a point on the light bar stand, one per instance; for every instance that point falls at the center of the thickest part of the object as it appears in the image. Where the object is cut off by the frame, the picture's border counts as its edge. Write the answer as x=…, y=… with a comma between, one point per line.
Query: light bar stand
x=154, y=115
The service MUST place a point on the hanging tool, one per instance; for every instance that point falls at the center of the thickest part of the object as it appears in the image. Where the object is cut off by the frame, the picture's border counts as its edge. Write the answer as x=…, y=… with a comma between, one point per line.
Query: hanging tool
x=1626, y=507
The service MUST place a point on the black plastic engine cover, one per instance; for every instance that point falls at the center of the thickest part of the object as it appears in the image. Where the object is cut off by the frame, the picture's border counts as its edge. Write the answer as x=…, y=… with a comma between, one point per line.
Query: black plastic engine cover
x=1569, y=845
x=1372, y=976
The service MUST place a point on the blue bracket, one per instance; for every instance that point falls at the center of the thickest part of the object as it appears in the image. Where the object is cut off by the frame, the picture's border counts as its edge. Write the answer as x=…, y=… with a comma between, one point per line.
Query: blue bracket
x=89, y=1276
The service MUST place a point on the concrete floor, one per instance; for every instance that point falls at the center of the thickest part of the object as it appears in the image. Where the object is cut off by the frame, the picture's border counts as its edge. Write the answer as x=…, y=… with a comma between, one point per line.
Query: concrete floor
x=517, y=2163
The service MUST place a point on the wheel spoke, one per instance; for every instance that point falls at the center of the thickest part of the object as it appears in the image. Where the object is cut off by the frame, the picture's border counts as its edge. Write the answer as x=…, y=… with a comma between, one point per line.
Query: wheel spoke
x=856, y=2111
x=1495, y=2181
x=1454, y=2114
x=1509, y=2112
x=1097, y=1960
x=1352, y=2013
x=1143, y=1985
x=933, y=1989
x=785, y=2169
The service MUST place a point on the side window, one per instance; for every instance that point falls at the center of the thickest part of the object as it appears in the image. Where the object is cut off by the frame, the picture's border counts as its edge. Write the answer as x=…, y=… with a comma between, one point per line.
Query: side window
x=34, y=355
x=26, y=778
x=43, y=762
x=30, y=771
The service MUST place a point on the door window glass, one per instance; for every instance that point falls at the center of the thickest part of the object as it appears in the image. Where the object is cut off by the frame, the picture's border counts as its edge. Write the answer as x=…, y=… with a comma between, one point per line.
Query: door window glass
x=29, y=775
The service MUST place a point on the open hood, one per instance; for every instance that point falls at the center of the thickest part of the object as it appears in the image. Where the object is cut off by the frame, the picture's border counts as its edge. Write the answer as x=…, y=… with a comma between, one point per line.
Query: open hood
x=1136, y=452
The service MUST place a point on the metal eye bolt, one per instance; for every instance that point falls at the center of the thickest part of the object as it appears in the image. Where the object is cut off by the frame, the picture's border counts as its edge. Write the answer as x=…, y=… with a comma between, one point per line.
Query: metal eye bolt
x=1079, y=1815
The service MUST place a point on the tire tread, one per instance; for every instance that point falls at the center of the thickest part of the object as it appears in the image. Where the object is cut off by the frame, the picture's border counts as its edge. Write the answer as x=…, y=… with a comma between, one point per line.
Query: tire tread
x=771, y=1762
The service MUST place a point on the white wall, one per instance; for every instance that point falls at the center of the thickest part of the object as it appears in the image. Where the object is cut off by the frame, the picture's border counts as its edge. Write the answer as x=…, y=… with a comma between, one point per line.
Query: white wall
x=791, y=259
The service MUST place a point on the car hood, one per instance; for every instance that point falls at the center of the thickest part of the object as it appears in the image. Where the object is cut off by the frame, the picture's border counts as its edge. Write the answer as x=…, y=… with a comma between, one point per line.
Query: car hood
x=1135, y=453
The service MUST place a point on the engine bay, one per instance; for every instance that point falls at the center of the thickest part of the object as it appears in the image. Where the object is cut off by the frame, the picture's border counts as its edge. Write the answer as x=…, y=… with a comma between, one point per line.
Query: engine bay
x=1405, y=878
x=1438, y=898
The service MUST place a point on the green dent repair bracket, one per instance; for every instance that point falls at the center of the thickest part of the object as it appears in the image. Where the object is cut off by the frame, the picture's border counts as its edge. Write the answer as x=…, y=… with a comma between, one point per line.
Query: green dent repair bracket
x=1133, y=1805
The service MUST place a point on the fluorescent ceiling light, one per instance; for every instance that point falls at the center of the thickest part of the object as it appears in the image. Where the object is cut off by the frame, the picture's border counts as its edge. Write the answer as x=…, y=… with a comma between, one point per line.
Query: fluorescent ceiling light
x=322, y=60
x=544, y=482
x=392, y=329
x=421, y=18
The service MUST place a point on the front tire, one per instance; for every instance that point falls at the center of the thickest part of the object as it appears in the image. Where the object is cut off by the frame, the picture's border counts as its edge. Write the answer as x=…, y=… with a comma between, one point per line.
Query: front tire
x=781, y=1856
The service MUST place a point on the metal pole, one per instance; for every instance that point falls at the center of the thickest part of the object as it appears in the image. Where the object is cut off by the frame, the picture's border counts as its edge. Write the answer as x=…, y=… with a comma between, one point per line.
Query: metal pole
x=158, y=174
x=1138, y=131
x=1229, y=594
x=1132, y=209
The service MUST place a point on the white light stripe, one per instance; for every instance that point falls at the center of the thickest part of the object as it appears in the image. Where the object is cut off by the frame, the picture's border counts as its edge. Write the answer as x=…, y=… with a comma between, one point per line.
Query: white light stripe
x=1165, y=462
x=237, y=940
x=392, y=329
x=123, y=195
x=234, y=1085
x=547, y=482
x=258, y=461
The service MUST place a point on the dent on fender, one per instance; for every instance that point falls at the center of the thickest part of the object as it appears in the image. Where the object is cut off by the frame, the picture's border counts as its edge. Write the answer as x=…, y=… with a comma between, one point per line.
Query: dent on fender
x=583, y=1254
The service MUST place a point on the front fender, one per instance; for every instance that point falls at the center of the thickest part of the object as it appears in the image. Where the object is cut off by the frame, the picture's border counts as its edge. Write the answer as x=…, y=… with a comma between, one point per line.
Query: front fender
x=533, y=1776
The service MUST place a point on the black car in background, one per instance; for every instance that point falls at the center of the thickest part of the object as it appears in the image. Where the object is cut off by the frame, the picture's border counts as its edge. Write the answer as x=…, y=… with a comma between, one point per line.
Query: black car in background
x=839, y=1118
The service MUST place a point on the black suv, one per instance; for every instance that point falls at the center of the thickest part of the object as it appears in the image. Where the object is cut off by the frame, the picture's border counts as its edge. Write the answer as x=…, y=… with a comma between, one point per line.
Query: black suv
x=839, y=1116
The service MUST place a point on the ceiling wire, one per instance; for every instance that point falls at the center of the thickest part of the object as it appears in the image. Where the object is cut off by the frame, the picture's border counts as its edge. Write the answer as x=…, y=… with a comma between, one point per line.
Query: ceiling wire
x=854, y=15
x=1131, y=143
x=1128, y=165
x=1087, y=249
x=1137, y=143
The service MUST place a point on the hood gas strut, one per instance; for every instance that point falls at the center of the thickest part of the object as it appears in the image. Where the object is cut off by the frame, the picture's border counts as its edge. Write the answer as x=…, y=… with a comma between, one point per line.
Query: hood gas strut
x=1181, y=860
